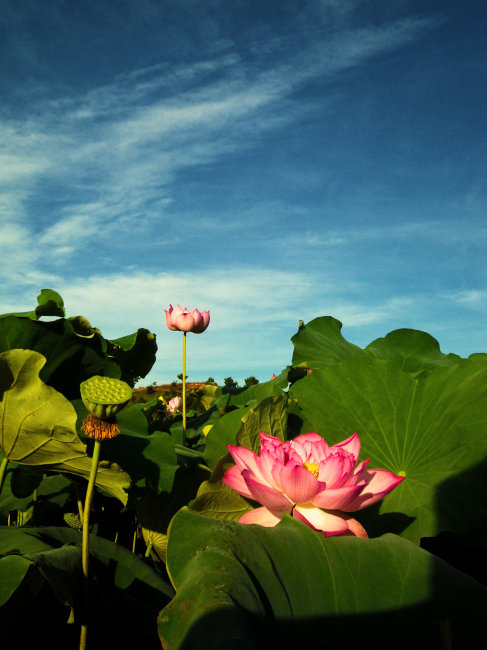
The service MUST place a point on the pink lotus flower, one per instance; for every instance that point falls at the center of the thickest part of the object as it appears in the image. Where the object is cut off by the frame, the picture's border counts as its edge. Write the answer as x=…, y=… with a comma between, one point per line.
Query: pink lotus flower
x=187, y=321
x=318, y=484
x=174, y=405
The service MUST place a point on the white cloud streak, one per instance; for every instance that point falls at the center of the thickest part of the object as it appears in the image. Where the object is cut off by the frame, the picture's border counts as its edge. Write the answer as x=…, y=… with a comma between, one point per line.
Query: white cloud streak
x=121, y=146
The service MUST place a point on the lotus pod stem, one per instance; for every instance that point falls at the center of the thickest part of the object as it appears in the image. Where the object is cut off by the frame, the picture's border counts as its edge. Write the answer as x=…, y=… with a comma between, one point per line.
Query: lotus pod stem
x=85, y=552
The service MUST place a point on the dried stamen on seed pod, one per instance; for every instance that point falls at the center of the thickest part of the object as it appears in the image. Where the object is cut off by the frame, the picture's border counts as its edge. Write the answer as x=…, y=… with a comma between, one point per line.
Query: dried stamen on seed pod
x=100, y=429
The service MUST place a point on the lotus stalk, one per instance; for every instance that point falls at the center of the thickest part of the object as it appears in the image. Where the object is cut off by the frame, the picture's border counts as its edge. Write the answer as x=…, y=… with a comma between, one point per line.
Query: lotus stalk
x=183, y=320
x=104, y=397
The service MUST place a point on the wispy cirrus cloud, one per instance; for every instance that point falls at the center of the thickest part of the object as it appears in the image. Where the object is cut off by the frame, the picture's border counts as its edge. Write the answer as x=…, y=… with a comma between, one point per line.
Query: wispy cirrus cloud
x=123, y=144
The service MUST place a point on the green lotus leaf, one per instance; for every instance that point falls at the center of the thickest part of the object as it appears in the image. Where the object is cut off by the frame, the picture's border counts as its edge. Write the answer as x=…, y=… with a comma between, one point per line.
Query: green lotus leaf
x=243, y=425
x=254, y=587
x=13, y=570
x=320, y=343
x=110, y=477
x=415, y=351
x=270, y=417
x=135, y=354
x=222, y=433
x=430, y=428
x=49, y=303
x=125, y=593
x=215, y=499
x=73, y=348
x=70, y=359
x=37, y=424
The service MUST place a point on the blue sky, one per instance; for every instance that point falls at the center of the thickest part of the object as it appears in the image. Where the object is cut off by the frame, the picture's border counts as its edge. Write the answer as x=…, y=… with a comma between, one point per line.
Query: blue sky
x=268, y=161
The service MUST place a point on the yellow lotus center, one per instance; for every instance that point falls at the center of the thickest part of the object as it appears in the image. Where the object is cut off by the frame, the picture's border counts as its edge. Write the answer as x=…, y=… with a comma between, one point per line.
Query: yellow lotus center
x=313, y=468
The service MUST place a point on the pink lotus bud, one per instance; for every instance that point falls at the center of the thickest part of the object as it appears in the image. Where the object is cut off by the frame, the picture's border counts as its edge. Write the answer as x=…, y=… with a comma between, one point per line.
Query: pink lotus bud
x=273, y=377
x=174, y=405
x=182, y=320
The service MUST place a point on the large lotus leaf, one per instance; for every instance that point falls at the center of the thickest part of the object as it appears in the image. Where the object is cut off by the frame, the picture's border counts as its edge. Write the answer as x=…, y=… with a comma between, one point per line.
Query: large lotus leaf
x=13, y=570
x=37, y=424
x=71, y=358
x=49, y=303
x=270, y=417
x=126, y=593
x=254, y=587
x=215, y=499
x=19, y=483
x=320, y=343
x=431, y=429
x=415, y=351
x=110, y=477
x=223, y=433
x=135, y=354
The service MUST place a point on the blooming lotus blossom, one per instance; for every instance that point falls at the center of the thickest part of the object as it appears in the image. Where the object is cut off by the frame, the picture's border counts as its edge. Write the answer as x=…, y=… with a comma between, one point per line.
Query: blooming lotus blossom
x=174, y=404
x=183, y=320
x=318, y=484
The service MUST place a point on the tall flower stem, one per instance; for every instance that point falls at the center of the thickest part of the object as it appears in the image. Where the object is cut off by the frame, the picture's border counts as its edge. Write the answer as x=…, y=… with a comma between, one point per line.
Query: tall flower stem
x=3, y=470
x=184, y=389
x=86, y=531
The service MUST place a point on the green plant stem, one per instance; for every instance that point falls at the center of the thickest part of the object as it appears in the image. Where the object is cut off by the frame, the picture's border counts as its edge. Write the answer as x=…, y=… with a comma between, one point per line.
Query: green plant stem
x=184, y=389
x=3, y=470
x=86, y=547
x=79, y=502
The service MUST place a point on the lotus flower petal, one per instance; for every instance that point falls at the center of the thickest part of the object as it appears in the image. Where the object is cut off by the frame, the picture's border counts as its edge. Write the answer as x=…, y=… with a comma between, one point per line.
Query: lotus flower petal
x=202, y=323
x=354, y=526
x=246, y=459
x=184, y=322
x=379, y=482
x=352, y=445
x=336, y=469
x=355, y=477
x=169, y=320
x=234, y=479
x=266, y=495
x=267, y=464
x=263, y=517
x=298, y=483
x=328, y=523
x=311, y=447
x=337, y=498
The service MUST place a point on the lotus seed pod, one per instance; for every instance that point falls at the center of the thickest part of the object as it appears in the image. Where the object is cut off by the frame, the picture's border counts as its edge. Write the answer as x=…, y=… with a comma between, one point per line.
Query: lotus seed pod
x=105, y=396
x=73, y=520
